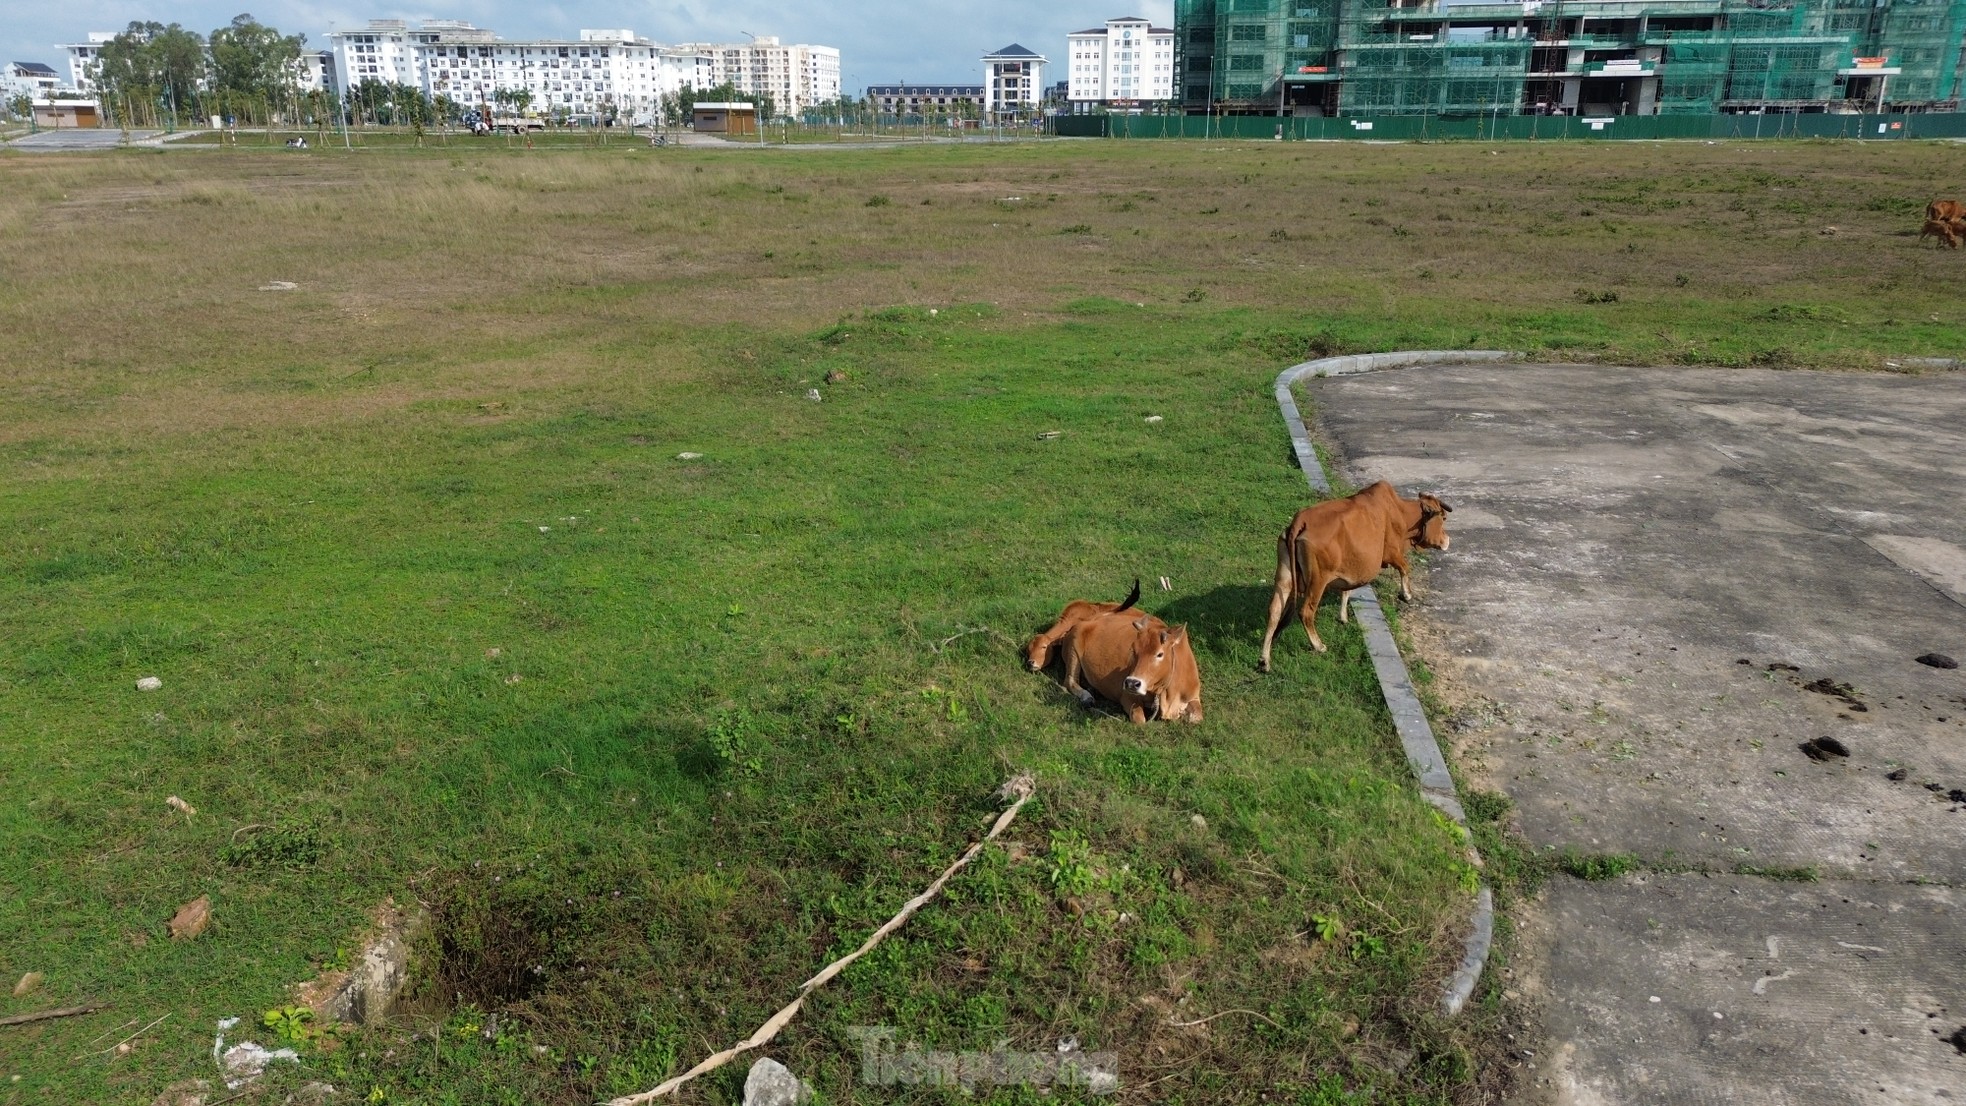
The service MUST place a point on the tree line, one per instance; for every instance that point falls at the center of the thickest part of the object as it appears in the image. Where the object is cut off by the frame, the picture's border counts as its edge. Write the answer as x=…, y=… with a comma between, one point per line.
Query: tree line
x=153, y=72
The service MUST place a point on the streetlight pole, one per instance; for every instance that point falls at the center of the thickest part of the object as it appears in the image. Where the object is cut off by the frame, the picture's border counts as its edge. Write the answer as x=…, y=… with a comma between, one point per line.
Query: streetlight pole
x=756, y=115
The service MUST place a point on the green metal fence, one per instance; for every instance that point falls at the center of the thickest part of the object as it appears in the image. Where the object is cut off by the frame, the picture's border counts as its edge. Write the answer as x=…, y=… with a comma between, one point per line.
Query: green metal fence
x=1473, y=126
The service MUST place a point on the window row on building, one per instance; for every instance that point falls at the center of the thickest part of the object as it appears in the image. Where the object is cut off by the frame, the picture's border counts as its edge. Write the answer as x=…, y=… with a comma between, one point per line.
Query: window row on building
x=602, y=69
x=1575, y=57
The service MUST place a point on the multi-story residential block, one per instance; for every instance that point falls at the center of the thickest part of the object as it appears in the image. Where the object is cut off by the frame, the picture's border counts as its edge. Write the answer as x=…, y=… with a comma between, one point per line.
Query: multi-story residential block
x=30, y=79
x=796, y=77
x=1013, y=82
x=82, y=58
x=1122, y=66
x=1577, y=57
x=315, y=72
x=962, y=100
x=381, y=51
x=602, y=72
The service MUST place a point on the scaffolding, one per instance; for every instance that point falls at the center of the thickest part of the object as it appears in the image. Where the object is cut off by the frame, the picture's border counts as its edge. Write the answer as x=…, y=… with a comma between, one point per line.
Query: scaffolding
x=1588, y=57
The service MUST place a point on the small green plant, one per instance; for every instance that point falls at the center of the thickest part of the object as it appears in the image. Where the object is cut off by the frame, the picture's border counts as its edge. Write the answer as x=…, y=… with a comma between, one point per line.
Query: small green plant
x=1327, y=927
x=1077, y=228
x=730, y=739
x=1069, y=865
x=1585, y=295
x=1193, y=295
x=293, y=1024
x=878, y=201
x=1366, y=946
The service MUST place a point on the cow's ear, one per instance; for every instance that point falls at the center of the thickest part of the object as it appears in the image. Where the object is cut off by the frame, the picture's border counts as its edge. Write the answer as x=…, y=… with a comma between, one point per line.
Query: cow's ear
x=1445, y=509
x=1140, y=624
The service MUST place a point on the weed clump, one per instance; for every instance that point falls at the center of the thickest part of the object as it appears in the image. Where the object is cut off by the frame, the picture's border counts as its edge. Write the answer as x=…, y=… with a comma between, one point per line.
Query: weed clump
x=285, y=845
x=1597, y=867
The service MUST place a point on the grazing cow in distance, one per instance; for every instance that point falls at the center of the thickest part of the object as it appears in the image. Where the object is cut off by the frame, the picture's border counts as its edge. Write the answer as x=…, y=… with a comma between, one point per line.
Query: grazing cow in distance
x=1945, y=211
x=1947, y=231
x=1038, y=653
x=1137, y=662
x=1347, y=542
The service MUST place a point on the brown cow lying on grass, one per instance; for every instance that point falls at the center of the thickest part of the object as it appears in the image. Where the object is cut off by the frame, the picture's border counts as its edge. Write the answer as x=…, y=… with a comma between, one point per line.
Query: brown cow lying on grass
x=1346, y=542
x=1038, y=653
x=1126, y=656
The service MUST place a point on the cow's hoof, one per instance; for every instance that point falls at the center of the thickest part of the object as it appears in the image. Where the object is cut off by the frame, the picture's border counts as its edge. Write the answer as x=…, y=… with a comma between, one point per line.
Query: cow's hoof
x=1263, y=667
x=1084, y=697
x=1319, y=646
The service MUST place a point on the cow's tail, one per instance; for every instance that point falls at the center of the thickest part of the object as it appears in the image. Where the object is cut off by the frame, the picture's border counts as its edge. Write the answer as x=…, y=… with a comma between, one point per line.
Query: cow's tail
x=1132, y=597
x=1300, y=567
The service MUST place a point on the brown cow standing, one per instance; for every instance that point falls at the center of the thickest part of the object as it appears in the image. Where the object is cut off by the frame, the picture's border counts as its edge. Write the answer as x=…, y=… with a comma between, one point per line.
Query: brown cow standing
x=1347, y=542
x=1136, y=662
x=1945, y=211
x=1038, y=653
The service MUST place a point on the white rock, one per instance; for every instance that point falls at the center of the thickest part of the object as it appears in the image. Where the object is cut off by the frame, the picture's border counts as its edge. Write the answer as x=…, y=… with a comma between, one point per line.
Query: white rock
x=243, y=1062
x=813, y=394
x=931, y=312
x=278, y=286
x=688, y=456
x=772, y=1084
x=1199, y=823
x=1153, y=418
x=149, y=683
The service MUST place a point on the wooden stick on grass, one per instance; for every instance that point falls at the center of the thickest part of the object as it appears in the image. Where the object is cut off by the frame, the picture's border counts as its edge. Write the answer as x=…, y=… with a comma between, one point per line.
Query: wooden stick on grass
x=44, y=1015
x=1022, y=787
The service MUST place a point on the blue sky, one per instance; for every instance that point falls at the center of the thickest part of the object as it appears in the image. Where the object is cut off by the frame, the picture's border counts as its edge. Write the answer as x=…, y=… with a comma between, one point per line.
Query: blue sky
x=880, y=41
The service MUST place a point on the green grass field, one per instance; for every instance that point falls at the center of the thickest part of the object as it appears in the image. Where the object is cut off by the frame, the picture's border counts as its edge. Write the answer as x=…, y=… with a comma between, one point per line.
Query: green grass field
x=441, y=615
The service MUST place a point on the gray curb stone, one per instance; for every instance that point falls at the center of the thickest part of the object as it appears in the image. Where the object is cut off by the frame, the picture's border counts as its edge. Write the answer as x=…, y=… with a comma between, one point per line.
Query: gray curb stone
x=1409, y=718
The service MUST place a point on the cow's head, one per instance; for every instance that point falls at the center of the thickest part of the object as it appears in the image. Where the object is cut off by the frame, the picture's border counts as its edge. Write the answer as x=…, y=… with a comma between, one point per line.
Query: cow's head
x=1153, y=656
x=1431, y=531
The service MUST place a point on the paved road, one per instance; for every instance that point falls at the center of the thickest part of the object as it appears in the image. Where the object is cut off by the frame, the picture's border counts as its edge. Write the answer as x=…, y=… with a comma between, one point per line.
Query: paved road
x=1651, y=568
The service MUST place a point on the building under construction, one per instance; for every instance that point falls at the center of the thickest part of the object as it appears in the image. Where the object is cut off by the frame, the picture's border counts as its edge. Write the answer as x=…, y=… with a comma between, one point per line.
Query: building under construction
x=1568, y=57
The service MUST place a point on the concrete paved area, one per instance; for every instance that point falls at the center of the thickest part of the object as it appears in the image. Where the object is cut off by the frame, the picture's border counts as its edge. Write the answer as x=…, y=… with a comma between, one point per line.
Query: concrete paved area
x=1662, y=582
x=99, y=138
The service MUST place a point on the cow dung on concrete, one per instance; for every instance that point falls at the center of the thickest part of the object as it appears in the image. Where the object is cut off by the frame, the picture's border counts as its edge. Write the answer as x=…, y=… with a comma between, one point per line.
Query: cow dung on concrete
x=1823, y=748
x=1958, y=1040
x=1896, y=774
x=1938, y=660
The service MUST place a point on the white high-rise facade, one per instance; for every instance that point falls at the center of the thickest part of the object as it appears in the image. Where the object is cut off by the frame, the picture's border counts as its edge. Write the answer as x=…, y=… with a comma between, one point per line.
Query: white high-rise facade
x=1013, y=82
x=600, y=72
x=1124, y=65
x=795, y=77
x=82, y=59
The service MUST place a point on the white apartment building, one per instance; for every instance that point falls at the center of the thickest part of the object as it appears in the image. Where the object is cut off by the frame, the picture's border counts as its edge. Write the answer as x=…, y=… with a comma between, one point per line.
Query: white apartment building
x=82, y=58
x=1013, y=82
x=30, y=79
x=795, y=77
x=1123, y=65
x=601, y=69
